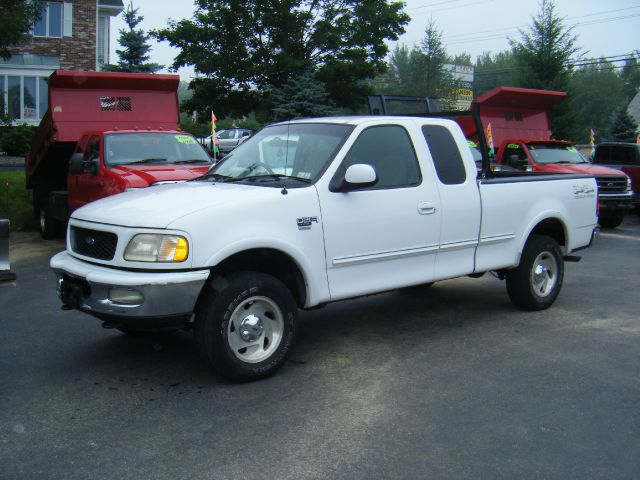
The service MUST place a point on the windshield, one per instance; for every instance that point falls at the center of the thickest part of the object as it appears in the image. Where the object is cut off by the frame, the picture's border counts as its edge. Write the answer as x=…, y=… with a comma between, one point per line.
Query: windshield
x=153, y=148
x=544, y=153
x=296, y=151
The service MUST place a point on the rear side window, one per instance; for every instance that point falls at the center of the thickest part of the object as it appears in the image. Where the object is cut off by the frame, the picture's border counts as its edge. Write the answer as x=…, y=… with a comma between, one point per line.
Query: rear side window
x=445, y=153
x=388, y=149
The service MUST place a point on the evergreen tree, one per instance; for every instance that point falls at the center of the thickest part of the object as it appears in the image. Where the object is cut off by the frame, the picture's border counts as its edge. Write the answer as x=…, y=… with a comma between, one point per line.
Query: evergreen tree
x=302, y=96
x=543, y=57
x=623, y=126
x=436, y=79
x=134, y=56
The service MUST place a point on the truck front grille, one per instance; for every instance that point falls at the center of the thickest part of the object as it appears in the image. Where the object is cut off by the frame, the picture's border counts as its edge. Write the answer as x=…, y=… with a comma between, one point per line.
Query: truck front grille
x=612, y=184
x=93, y=243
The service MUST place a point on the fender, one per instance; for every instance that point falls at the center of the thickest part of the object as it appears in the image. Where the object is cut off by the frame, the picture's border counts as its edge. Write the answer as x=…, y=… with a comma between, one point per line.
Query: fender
x=317, y=288
x=541, y=217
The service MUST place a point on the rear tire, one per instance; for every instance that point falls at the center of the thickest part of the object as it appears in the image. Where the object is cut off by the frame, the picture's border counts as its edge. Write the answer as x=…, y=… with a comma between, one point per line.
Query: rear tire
x=611, y=220
x=535, y=283
x=245, y=325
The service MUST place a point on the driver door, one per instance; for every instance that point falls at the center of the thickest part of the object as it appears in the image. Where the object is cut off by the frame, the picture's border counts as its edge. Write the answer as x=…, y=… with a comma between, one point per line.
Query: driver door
x=384, y=236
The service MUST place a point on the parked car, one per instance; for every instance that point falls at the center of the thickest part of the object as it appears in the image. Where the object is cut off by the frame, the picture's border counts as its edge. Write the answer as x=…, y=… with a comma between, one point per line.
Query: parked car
x=625, y=157
x=228, y=139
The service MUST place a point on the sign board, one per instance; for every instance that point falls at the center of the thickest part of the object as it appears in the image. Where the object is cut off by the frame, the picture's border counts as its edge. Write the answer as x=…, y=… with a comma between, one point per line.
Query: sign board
x=463, y=79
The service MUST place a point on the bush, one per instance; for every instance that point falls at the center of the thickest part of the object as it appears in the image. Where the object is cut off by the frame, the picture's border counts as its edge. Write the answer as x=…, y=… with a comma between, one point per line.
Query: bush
x=16, y=141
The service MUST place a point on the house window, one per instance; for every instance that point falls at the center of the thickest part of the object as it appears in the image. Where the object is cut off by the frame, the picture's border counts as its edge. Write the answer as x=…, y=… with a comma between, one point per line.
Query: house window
x=103, y=40
x=50, y=24
x=23, y=98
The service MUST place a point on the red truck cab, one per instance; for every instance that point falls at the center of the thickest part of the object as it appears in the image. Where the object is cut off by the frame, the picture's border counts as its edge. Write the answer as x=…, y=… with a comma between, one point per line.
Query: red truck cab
x=105, y=133
x=521, y=130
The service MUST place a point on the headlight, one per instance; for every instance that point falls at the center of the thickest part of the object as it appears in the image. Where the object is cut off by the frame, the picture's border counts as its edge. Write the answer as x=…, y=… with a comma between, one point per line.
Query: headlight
x=628, y=183
x=148, y=247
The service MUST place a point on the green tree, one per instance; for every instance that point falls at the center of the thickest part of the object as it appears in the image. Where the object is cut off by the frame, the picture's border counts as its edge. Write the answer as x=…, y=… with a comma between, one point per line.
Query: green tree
x=17, y=17
x=494, y=70
x=631, y=75
x=134, y=56
x=623, y=127
x=241, y=54
x=403, y=75
x=597, y=89
x=543, y=57
x=302, y=96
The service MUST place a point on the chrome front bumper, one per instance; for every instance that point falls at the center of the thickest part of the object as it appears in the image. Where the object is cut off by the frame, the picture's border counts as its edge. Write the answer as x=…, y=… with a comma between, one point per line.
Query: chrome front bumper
x=97, y=290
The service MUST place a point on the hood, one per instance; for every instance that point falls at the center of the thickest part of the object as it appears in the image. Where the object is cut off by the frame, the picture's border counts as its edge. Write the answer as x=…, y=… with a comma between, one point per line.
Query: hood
x=586, y=168
x=159, y=206
x=145, y=175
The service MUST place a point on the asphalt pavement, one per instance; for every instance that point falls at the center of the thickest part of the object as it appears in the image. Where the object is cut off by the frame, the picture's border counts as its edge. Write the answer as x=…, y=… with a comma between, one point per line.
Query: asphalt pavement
x=450, y=382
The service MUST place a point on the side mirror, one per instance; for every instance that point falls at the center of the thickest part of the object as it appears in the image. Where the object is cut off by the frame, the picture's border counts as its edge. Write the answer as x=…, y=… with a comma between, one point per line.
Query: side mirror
x=357, y=176
x=76, y=164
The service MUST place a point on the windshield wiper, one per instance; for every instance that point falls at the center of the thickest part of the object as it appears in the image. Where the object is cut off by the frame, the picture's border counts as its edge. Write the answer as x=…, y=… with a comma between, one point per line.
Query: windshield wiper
x=195, y=160
x=213, y=176
x=146, y=160
x=276, y=176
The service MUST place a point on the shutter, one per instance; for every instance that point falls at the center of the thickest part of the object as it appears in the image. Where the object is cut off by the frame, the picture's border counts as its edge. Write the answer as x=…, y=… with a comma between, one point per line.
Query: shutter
x=67, y=16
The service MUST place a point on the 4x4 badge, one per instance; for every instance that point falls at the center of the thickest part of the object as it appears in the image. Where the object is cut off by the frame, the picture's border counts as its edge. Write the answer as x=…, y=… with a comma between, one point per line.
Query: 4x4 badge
x=304, y=223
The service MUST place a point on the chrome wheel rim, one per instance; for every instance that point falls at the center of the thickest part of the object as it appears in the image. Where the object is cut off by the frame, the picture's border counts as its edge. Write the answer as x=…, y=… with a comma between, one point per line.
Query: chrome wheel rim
x=544, y=274
x=255, y=329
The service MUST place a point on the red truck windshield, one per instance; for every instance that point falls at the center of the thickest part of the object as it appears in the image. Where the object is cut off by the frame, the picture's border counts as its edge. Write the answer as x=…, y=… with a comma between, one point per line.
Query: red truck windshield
x=152, y=148
x=544, y=153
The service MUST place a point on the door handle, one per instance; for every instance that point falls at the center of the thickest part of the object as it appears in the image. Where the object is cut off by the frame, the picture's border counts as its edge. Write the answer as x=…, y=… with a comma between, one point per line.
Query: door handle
x=425, y=208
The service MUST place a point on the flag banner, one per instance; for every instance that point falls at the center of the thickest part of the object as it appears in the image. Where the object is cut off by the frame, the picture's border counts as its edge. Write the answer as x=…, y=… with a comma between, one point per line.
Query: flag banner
x=490, y=141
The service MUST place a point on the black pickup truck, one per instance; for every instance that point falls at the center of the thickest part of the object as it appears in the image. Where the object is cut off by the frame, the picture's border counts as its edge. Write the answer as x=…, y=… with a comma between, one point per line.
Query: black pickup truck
x=625, y=157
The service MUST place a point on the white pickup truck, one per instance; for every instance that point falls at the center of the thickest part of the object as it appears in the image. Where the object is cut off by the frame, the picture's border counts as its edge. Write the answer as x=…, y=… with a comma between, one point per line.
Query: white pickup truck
x=310, y=212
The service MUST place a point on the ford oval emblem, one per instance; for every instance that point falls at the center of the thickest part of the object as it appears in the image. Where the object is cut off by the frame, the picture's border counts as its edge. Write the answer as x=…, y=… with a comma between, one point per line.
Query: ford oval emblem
x=89, y=240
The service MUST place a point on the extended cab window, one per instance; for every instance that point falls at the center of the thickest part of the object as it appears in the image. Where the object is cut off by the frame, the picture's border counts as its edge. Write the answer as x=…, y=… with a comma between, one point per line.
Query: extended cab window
x=388, y=149
x=445, y=154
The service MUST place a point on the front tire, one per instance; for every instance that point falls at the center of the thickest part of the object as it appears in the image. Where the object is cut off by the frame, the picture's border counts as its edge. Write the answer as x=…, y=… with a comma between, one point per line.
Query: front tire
x=535, y=283
x=245, y=325
x=611, y=220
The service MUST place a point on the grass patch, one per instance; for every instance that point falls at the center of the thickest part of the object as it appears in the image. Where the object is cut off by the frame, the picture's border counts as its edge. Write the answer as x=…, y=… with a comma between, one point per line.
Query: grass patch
x=15, y=201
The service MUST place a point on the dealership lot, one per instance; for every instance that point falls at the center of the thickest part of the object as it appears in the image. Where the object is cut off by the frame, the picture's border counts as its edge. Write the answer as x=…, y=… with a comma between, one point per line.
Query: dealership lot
x=450, y=382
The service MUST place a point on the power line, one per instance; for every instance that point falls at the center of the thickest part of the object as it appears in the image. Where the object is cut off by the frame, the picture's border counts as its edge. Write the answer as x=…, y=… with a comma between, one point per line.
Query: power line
x=480, y=35
x=524, y=26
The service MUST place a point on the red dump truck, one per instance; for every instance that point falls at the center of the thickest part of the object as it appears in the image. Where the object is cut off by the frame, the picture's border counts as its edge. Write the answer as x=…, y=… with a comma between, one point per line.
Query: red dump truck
x=521, y=130
x=105, y=133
